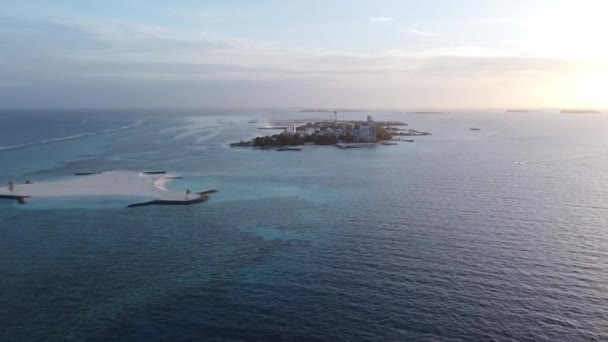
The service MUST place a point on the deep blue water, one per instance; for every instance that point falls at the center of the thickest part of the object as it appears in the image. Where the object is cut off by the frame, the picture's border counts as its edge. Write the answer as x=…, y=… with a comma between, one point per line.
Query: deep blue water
x=446, y=238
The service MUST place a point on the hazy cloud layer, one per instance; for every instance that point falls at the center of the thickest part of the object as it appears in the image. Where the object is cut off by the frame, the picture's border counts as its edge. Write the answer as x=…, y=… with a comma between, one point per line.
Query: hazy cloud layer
x=121, y=63
x=422, y=33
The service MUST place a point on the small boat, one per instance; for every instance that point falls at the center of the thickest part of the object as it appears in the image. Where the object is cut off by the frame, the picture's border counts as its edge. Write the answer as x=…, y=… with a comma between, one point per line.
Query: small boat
x=409, y=140
x=475, y=129
x=289, y=149
x=154, y=172
x=387, y=143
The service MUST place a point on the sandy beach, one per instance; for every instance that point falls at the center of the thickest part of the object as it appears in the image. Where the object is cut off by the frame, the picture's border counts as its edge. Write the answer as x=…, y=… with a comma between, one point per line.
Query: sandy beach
x=111, y=183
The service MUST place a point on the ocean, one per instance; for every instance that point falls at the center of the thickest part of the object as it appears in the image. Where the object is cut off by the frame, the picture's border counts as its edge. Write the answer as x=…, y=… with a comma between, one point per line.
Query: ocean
x=497, y=234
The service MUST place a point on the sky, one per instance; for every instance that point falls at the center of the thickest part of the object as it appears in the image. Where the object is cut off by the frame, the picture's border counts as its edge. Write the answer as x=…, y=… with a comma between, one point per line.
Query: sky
x=384, y=54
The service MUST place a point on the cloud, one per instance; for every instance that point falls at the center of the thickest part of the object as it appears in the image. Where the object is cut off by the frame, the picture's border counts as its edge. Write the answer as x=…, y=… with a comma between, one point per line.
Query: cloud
x=155, y=52
x=207, y=15
x=471, y=51
x=380, y=19
x=422, y=33
x=102, y=60
x=152, y=53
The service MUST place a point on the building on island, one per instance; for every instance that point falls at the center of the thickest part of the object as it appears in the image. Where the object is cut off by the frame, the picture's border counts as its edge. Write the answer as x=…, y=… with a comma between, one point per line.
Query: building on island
x=350, y=131
x=367, y=133
x=364, y=132
x=291, y=129
x=309, y=131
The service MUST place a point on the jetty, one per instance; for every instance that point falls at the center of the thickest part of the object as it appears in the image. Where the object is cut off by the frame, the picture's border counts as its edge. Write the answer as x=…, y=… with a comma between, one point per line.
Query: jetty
x=86, y=173
x=154, y=172
x=289, y=149
x=20, y=199
x=202, y=197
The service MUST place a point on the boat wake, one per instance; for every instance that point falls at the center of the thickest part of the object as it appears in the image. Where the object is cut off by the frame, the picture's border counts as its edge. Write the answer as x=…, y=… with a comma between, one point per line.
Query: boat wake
x=556, y=160
x=71, y=137
x=482, y=137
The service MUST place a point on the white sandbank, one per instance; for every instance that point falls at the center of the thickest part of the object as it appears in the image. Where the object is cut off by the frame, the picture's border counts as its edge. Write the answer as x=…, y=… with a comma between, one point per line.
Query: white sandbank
x=111, y=183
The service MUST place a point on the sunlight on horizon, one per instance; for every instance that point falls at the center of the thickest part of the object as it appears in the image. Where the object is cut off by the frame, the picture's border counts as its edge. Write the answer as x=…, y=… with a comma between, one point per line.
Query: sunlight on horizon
x=569, y=30
x=574, y=31
x=592, y=89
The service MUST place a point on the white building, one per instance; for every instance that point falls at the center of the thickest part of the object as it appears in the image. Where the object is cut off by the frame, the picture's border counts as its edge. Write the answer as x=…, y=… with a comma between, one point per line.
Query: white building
x=291, y=129
x=367, y=133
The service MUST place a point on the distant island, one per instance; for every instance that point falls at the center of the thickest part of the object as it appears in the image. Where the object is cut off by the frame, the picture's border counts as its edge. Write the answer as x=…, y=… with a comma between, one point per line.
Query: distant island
x=334, y=133
x=580, y=111
x=326, y=110
x=517, y=111
x=427, y=112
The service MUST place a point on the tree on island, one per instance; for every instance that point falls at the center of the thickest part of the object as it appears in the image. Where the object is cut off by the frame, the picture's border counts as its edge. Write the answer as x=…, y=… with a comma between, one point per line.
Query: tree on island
x=382, y=134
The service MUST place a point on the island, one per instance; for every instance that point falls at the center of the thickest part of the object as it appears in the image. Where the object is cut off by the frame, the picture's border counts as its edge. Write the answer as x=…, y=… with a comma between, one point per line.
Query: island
x=328, y=110
x=341, y=133
x=148, y=186
x=580, y=111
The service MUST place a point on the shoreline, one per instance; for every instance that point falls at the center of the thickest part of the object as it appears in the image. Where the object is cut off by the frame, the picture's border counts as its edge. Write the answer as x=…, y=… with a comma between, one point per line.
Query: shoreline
x=162, y=182
x=105, y=184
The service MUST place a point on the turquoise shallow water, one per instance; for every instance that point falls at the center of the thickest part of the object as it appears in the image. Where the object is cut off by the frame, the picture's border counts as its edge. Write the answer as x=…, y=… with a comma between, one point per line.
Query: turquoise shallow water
x=446, y=238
